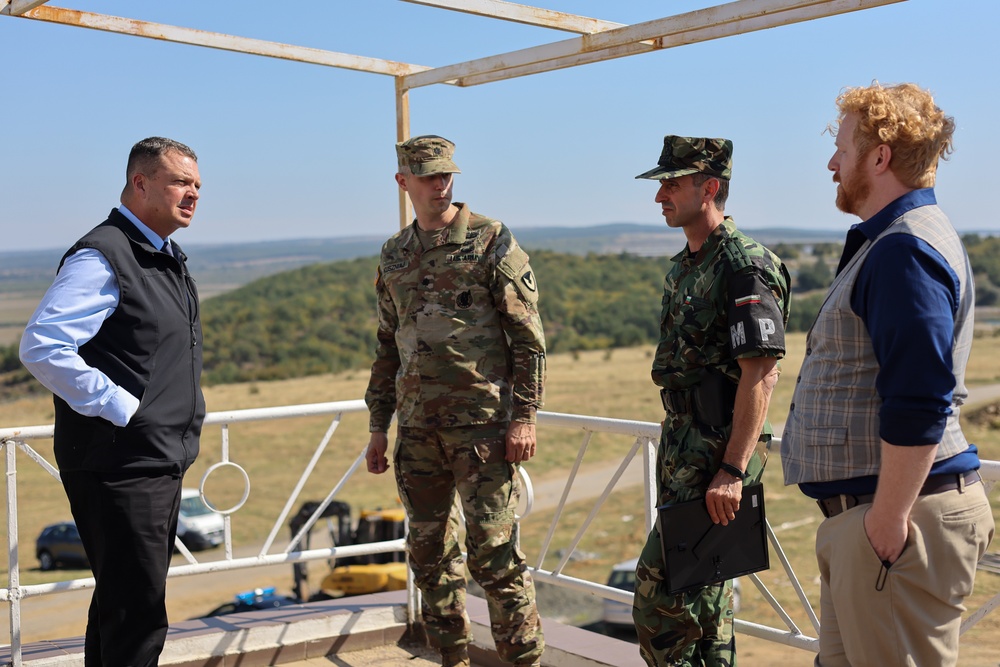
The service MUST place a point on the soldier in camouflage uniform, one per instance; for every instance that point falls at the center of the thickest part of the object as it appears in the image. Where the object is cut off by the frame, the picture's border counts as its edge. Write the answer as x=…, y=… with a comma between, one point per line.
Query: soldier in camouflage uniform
x=725, y=306
x=461, y=360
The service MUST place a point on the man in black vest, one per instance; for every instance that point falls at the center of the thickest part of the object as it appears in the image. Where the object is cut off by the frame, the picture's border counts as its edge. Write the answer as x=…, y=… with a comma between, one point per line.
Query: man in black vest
x=117, y=339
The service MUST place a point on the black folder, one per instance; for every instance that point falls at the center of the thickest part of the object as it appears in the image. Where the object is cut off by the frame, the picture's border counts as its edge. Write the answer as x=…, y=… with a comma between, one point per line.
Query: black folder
x=698, y=553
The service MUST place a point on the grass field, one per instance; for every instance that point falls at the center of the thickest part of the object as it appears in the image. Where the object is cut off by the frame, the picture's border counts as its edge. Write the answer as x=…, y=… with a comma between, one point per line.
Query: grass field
x=604, y=383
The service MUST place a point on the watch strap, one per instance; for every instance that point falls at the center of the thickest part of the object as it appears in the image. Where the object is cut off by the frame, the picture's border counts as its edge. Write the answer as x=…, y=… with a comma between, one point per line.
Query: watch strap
x=733, y=470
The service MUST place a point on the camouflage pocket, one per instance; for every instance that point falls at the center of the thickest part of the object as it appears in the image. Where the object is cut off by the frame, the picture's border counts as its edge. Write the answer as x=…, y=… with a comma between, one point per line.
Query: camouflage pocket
x=492, y=529
x=490, y=450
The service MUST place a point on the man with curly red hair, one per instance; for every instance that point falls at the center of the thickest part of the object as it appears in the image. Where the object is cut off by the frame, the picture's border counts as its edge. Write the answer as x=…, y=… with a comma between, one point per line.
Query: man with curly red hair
x=873, y=432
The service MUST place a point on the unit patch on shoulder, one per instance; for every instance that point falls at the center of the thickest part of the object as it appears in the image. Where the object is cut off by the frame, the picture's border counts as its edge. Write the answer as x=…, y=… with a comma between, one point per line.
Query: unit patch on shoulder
x=529, y=280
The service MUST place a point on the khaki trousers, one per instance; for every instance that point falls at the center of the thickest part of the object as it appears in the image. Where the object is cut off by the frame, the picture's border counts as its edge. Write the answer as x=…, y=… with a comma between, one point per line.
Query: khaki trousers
x=915, y=618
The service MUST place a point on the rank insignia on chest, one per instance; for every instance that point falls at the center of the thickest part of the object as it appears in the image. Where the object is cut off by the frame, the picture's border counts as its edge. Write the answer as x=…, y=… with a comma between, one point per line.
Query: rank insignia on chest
x=464, y=300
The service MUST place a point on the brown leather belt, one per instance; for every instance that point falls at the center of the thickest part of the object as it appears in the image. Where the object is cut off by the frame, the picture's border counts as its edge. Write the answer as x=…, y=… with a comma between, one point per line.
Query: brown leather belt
x=935, y=484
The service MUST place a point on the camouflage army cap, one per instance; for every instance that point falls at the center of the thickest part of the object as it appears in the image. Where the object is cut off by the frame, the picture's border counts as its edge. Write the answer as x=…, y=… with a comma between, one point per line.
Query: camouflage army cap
x=426, y=155
x=692, y=155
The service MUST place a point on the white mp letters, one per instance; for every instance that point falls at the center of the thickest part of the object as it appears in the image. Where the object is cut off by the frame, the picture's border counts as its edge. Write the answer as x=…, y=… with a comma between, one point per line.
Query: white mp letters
x=738, y=334
x=766, y=328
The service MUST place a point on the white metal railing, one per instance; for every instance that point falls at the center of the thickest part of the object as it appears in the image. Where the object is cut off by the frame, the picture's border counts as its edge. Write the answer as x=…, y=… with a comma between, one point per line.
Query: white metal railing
x=18, y=438
x=645, y=438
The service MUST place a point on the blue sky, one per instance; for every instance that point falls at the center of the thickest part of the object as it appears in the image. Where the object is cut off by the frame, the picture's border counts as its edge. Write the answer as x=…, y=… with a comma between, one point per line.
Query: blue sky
x=289, y=150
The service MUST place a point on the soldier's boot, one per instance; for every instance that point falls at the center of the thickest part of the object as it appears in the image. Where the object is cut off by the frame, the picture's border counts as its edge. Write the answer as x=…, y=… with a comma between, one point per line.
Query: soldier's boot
x=455, y=656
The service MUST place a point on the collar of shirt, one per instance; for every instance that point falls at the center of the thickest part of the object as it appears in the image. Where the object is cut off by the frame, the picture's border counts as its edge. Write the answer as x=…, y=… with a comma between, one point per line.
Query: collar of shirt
x=875, y=225
x=455, y=232
x=152, y=236
x=727, y=226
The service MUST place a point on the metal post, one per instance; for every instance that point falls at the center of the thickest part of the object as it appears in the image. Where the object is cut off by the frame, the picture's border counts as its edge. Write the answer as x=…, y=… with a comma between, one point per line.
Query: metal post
x=402, y=134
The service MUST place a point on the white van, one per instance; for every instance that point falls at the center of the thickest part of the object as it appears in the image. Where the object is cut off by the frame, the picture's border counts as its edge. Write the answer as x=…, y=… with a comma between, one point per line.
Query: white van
x=622, y=576
x=198, y=526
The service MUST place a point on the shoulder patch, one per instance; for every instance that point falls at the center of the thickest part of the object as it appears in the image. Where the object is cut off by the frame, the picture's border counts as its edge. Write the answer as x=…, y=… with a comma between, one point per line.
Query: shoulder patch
x=512, y=261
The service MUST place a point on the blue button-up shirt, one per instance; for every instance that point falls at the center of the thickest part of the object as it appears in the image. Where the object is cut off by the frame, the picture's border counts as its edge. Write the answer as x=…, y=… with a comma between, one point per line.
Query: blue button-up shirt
x=83, y=295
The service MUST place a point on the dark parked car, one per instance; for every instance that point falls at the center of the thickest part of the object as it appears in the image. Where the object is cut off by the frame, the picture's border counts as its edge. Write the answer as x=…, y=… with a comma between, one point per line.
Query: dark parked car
x=259, y=598
x=59, y=544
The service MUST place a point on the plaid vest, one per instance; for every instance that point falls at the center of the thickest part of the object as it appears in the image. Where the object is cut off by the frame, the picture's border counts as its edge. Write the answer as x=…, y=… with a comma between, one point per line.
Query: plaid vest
x=832, y=431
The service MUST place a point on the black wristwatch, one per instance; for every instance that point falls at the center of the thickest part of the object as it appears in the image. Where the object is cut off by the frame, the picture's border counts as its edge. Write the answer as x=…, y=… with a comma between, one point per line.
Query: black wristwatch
x=733, y=470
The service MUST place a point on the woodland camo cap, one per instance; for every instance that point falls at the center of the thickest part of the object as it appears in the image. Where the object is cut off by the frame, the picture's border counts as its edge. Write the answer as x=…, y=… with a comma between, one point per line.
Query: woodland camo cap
x=693, y=155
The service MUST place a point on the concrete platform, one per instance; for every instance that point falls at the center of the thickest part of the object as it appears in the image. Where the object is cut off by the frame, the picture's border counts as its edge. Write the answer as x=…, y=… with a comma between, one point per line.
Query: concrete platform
x=338, y=632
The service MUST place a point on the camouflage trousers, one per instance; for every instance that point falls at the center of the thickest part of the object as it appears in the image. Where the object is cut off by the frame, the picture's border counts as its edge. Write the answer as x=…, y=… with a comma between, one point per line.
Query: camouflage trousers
x=694, y=628
x=430, y=466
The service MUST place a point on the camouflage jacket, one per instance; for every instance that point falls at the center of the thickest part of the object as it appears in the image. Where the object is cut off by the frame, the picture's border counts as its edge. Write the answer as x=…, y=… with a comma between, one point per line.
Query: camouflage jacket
x=459, y=336
x=729, y=300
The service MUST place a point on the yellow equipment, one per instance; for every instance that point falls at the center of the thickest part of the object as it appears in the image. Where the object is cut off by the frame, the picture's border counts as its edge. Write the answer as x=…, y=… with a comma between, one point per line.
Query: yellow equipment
x=356, y=575
x=361, y=579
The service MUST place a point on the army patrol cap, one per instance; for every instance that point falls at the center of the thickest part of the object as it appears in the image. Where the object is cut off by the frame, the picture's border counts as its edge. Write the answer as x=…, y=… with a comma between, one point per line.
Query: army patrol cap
x=693, y=155
x=427, y=154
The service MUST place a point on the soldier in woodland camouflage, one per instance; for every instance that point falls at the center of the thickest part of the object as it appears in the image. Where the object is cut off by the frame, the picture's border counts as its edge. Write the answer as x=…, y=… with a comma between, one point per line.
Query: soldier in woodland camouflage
x=461, y=361
x=725, y=306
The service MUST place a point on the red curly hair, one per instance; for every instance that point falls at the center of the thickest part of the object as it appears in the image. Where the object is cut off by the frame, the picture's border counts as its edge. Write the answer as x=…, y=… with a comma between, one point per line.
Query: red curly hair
x=905, y=118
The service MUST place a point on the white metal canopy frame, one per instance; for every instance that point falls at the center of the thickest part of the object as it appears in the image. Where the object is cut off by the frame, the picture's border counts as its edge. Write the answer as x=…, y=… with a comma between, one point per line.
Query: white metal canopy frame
x=598, y=40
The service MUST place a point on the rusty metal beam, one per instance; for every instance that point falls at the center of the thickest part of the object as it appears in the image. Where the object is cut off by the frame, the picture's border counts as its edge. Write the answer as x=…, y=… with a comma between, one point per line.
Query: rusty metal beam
x=536, y=16
x=214, y=40
x=817, y=10
x=677, y=29
x=18, y=7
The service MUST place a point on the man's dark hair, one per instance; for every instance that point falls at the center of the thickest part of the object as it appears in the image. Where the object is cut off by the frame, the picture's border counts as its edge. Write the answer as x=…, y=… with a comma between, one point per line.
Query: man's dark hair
x=145, y=155
x=721, y=196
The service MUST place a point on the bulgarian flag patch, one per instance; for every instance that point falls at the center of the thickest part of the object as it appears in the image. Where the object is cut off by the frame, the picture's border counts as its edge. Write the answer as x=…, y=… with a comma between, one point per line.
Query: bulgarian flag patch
x=746, y=300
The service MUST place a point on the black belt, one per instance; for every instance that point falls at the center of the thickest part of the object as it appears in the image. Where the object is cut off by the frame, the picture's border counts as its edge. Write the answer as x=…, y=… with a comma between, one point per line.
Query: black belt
x=934, y=484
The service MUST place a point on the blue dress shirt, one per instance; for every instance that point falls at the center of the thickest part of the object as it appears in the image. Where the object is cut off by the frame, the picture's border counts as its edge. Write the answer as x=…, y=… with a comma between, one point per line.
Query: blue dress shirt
x=83, y=295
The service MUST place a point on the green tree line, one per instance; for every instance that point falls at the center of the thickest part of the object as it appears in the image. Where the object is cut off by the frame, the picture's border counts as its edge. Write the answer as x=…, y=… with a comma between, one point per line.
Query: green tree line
x=321, y=318
x=984, y=255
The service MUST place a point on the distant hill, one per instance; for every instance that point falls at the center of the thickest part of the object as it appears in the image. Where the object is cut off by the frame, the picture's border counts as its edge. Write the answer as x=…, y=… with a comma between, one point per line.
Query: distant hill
x=650, y=240
x=222, y=267
x=217, y=267
x=320, y=316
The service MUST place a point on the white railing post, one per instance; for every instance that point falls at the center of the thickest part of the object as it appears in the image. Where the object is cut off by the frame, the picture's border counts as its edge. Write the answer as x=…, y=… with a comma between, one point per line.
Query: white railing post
x=13, y=574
